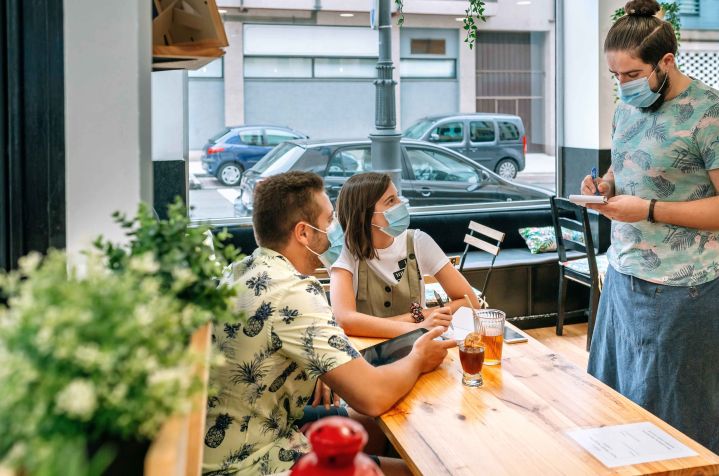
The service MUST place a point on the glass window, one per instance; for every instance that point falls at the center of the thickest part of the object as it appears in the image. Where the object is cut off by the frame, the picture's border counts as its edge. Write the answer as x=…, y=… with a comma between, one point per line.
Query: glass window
x=278, y=160
x=278, y=67
x=235, y=139
x=212, y=69
x=345, y=68
x=347, y=162
x=417, y=130
x=251, y=137
x=432, y=165
x=427, y=68
x=448, y=132
x=481, y=131
x=508, y=131
x=429, y=46
x=277, y=136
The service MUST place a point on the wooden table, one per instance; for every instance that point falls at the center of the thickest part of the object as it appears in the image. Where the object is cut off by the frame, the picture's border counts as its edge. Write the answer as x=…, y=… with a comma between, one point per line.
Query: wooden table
x=515, y=424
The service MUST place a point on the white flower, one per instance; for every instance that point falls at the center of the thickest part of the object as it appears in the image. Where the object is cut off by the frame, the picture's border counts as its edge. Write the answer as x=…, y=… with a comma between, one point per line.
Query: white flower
x=144, y=263
x=183, y=277
x=89, y=355
x=143, y=316
x=78, y=399
x=29, y=262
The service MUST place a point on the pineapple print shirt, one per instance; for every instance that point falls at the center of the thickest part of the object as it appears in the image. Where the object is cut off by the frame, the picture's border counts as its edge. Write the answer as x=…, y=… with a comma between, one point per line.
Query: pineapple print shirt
x=272, y=363
x=666, y=155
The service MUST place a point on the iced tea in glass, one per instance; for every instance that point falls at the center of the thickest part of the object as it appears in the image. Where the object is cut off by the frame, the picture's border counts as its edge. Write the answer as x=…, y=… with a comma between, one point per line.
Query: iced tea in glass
x=471, y=356
x=490, y=324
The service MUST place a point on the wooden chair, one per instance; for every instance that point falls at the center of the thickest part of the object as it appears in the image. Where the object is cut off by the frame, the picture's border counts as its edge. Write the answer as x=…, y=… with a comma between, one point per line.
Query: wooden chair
x=581, y=269
x=471, y=240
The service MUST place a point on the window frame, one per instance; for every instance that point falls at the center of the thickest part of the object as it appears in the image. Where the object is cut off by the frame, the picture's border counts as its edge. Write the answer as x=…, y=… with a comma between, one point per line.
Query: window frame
x=481, y=143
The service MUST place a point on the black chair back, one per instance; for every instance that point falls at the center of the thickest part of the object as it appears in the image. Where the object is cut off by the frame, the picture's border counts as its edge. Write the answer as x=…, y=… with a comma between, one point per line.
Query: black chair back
x=570, y=216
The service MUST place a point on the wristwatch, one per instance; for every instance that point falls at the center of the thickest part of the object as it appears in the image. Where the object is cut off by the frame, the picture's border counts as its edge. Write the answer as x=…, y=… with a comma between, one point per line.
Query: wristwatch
x=650, y=215
x=415, y=310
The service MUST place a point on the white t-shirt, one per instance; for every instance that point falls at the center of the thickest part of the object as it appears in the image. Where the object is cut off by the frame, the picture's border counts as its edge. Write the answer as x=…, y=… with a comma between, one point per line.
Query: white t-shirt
x=392, y=261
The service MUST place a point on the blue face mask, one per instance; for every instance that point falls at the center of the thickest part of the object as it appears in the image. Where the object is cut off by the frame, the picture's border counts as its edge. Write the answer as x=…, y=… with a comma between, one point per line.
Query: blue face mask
x=336, y=236
x=397, y=219
x=637, y=93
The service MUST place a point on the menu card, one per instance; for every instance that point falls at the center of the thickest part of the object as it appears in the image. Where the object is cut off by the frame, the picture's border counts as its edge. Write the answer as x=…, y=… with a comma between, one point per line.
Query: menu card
x=634, y=443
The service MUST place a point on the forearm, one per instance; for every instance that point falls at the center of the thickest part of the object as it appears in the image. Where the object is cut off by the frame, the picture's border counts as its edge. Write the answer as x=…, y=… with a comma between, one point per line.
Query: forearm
x=700, y=214
x=359, y=324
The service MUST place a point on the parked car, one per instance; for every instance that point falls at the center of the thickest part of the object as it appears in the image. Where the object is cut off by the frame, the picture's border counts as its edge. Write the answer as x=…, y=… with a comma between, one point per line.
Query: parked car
x=235, y=149
x=496, y=141
x=431, y=174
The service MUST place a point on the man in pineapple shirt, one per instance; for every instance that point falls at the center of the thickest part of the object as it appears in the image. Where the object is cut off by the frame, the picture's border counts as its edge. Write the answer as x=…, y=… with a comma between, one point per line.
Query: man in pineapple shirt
x=289, y=339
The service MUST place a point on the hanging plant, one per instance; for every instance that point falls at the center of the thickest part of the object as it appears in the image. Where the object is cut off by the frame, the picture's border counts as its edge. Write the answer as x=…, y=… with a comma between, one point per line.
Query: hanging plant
x=473, y=14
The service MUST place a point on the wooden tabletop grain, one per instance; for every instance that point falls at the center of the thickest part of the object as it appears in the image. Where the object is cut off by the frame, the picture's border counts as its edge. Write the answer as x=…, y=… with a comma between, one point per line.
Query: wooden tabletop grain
x=516, y=423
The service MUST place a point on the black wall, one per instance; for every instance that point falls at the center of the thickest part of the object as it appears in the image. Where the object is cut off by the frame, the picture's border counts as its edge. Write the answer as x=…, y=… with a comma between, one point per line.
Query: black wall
x=32, y=129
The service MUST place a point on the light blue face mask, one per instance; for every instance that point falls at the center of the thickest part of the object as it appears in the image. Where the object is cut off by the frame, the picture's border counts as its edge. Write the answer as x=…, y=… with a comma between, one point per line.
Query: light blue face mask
x=397, y=219
x=336, y=236
x=637, y=93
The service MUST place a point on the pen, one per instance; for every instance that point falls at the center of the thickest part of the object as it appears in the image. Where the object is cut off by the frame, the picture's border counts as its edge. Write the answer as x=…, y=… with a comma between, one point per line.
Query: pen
x=441, y=304
x=594, y=181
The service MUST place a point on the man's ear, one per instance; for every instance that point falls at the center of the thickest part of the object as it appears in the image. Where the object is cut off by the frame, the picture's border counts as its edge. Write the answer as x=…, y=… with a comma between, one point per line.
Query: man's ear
x=667, y=61
x=301, y=233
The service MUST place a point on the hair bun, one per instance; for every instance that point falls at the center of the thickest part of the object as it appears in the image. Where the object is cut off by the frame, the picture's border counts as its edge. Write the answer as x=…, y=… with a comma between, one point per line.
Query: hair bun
x=642, y=8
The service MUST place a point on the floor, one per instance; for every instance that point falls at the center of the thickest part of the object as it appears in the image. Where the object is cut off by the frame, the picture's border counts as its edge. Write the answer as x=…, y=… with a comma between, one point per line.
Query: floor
x=571, y=344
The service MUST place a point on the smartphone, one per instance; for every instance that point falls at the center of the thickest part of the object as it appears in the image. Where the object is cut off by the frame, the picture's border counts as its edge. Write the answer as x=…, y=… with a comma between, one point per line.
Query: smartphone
x=392, y=350
x=513, y=337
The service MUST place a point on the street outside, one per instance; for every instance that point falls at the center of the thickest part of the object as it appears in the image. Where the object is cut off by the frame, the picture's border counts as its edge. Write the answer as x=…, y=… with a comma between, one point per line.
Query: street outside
x=209, y=199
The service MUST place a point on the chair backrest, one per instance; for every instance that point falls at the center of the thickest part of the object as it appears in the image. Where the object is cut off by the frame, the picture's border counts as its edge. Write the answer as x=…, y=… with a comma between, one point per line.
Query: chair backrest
x=569, y=216
x=472, y=239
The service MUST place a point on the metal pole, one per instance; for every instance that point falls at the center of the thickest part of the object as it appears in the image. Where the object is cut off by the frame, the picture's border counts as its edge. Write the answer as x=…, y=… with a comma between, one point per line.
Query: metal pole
x=386, y=155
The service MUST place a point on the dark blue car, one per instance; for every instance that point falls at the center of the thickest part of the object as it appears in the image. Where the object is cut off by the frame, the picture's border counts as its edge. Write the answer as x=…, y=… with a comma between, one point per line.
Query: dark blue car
x=235, y=149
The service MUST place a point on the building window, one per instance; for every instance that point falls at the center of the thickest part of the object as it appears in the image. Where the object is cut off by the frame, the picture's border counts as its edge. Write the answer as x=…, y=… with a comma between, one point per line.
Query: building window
x=429, y=46
x=210, y=70
x=688, y=7
x=278, y=67
x=345, y=68
x=427, y=68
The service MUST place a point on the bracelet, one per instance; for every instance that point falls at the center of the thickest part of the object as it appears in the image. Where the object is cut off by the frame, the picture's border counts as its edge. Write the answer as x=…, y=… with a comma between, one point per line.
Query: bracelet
x=415, y=310
x=650, y=215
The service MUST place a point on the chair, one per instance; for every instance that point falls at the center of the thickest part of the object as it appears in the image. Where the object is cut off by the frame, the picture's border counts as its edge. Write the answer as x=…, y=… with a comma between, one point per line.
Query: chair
x=582, y=269
x=471, y=240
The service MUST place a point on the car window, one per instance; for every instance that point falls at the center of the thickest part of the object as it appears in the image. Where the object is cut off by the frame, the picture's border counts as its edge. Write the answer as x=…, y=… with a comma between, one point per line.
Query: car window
x=281, y=158
x=276, y=136
x=313, y=160
x=448, y=132
x=433, y=165
x=508, y=131
x=481, y=131
x=219, y=135
x=234, y=139
x=417, y=130
x=347, y=162
x=251, y=137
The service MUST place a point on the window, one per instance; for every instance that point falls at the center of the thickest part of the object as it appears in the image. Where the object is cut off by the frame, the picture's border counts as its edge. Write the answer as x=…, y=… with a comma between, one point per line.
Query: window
x=277, y=136
x=688, y=7
x=345, y=68
x=417, y=130
x=213, y=69
x=278, y=67
x=430, y=165
x=251, y=137
x=233, y=140
x=347, y=162
x=481, y=131
x=427, y=68
x=448, y=132
x=508, y=131
x=430, y=46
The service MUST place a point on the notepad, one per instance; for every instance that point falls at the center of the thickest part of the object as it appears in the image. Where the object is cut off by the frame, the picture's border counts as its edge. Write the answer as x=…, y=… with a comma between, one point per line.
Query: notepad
x=584, y=199
x=635, y=443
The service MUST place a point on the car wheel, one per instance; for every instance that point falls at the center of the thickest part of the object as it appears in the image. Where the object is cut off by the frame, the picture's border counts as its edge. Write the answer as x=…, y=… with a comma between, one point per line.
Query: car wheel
x=507, y=169
x=230, y=174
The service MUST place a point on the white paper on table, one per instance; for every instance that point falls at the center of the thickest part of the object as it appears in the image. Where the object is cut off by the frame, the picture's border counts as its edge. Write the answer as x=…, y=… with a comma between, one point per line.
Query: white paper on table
x=634, y=443
x=463, y=323
x=584, y=199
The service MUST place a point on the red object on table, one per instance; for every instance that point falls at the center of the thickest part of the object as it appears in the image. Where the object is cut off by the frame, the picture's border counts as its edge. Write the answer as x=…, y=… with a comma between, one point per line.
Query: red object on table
x=337, y=444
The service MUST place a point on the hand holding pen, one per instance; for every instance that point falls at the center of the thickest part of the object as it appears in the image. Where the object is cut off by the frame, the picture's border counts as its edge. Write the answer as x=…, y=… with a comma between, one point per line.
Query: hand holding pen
x=595, y=185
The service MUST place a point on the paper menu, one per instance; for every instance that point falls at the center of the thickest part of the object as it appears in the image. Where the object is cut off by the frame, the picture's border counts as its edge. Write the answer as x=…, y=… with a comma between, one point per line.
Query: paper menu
x=634, y=443
x=463, y=323
x=584, y=199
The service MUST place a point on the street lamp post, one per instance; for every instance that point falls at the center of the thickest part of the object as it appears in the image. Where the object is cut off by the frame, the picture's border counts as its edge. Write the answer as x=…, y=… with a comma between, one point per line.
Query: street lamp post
x=385, y=149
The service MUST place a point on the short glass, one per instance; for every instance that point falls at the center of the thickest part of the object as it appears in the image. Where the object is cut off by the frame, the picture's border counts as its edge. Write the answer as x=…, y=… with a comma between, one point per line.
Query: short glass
x=490, y=324
x=471, y=359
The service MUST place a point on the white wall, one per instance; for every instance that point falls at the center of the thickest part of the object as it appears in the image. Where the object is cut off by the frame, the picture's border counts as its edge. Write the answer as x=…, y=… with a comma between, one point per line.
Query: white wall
x=107, y=115
x=169, y=115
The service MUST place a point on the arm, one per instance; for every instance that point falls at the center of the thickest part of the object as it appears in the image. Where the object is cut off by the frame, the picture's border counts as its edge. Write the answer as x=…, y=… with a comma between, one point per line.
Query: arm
x=374, y=390
x=456, y=286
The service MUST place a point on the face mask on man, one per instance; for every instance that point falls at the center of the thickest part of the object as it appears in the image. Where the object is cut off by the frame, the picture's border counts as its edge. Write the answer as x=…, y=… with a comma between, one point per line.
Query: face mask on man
x=336, y=237
x=397, y=219
x=637, y=93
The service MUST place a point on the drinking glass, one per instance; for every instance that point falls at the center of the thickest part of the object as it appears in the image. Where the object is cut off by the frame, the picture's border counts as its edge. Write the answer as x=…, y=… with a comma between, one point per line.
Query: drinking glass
x=471, y=358
x=490, y=325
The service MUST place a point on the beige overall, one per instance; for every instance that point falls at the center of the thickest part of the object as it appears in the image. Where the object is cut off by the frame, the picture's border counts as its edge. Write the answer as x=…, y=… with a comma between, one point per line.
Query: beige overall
x=377, y=298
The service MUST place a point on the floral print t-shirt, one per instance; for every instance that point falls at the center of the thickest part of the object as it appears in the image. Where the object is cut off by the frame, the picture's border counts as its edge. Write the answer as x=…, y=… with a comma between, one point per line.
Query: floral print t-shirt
x=271, y=365
x=666, y=155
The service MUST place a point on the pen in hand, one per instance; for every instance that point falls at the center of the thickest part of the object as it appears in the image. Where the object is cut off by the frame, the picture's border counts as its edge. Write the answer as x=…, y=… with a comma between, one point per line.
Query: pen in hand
x=594, y=181
x=441, y=305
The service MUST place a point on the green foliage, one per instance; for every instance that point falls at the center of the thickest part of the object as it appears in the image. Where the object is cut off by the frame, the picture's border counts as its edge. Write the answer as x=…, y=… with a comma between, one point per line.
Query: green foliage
x=473, y=13
x=86, y=357
x=187, y=266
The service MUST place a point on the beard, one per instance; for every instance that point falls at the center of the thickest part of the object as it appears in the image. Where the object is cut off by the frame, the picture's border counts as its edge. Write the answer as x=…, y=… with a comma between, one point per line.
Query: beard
x=664, y=87
x=318, y=243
